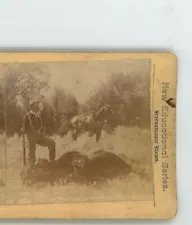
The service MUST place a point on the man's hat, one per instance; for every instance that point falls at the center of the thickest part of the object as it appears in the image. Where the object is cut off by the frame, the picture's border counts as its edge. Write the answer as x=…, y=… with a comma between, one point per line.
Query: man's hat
x=35, y=99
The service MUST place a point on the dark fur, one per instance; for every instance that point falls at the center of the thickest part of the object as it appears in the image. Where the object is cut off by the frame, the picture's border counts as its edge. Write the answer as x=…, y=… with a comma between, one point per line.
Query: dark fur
x=76, y=167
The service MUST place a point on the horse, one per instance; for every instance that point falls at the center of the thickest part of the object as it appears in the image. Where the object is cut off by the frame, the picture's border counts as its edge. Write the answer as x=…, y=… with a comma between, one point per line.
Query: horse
x=92, y=124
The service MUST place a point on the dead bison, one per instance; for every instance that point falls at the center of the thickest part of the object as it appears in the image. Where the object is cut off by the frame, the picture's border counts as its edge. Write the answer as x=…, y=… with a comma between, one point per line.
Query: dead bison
x=71, y=167
x=106, y=165
x=67, y=168
x=76, y=167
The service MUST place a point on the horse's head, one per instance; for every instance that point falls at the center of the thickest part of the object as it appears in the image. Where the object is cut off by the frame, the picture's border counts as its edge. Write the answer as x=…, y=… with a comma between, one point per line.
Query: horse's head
x=105, y=113
x=109, y=109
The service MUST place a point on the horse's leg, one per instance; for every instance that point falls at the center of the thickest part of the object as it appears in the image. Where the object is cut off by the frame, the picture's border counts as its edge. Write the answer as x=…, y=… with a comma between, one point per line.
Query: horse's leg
x=74, y=134
x=98, y=135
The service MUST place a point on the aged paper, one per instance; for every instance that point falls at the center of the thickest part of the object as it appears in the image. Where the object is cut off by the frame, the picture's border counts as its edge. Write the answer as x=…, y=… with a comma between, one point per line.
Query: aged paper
x=88, y=135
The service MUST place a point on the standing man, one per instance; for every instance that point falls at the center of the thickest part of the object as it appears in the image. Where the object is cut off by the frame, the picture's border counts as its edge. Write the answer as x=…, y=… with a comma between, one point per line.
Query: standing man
x=32, y=127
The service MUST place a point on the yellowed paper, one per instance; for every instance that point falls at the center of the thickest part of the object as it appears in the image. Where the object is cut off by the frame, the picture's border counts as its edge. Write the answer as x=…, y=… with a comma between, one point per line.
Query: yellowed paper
x=88, y=135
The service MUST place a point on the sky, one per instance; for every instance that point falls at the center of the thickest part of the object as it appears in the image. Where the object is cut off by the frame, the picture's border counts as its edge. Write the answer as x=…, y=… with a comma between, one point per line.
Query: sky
x=82, y=78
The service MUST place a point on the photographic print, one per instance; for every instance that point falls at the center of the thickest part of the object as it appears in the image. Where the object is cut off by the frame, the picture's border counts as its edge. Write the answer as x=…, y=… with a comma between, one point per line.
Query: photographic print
x=76, y=131
x=88, y=135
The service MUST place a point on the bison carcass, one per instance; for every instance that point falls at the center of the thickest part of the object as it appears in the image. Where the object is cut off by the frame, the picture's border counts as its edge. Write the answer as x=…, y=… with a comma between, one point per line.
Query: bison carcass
x=105, y=165
x=76, y=167
x=67, y=168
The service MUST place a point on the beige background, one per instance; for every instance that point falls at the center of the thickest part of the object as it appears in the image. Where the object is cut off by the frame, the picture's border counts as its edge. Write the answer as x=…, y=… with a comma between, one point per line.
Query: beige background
x=166, y=203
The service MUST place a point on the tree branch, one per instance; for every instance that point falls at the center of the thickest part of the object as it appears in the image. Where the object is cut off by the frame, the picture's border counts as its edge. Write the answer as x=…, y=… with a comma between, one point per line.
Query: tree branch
x=17, y=93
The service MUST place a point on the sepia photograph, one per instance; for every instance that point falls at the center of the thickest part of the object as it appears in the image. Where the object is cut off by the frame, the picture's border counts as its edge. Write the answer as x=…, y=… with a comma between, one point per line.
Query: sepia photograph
x=77, y=131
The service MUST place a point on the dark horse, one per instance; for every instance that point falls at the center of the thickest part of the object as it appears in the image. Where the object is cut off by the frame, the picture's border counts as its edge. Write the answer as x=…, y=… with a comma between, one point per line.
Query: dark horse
x=92, y=123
